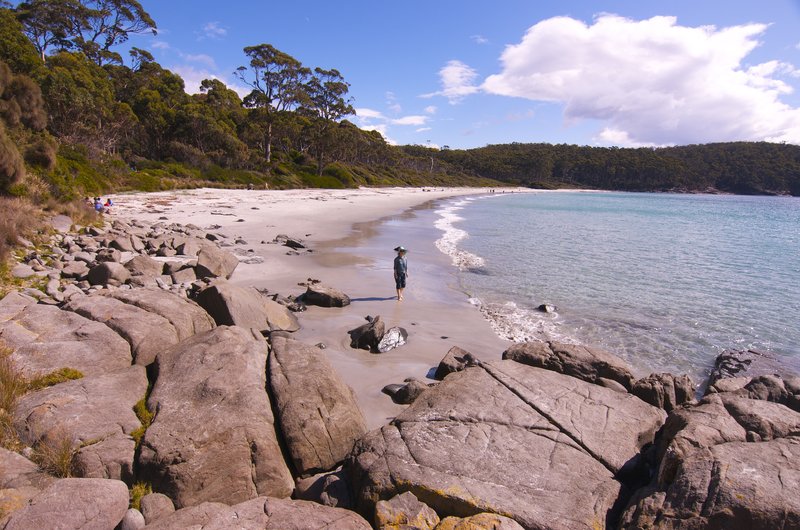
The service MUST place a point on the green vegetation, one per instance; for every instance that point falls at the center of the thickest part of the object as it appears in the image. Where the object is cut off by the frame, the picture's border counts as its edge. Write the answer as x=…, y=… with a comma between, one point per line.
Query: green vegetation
x=145, y=418
x=137, y=491
x=55, y=454
x=53, y=378
x=12, y=387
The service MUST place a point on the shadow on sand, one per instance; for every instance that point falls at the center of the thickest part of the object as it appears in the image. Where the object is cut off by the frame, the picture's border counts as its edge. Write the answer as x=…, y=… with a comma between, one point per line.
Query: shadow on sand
x=373, y=299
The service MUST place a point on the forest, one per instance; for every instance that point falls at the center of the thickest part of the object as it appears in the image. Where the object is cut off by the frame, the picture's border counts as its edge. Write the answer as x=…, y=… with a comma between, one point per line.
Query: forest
x=77, y=118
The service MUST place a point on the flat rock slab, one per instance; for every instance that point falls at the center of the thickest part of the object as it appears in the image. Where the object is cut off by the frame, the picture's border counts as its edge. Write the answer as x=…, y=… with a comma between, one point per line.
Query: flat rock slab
x=186, y=317
x=20, y=481
x=213, y=437
x=262, y=513
x=95, y=413
x=534, y=445
x=231, y=305
x=147, y=333
x=318, y=414
x=71, y=503
x=45, y=339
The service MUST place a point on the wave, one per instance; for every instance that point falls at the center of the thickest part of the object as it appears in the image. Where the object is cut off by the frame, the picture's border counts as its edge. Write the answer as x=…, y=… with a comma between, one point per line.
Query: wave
x=452, y=236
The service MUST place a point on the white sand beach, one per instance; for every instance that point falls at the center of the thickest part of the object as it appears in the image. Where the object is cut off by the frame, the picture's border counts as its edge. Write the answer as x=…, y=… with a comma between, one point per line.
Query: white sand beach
x=350, y=235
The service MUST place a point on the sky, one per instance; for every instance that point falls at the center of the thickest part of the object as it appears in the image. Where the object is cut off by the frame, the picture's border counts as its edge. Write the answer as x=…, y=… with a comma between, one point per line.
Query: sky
x=466, y=73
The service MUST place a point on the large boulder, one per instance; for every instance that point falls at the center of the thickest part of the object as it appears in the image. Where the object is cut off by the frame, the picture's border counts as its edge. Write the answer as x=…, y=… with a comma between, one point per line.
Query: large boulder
x=318, y=414
x=455, y=360
x=20, y=481
x=141, y=265
x=147, y=333
x=369, y=335
x=74, y=503
x=540, y=447
x=213, y=262
x=665, y=391
x=108, y=272
x=155, y=506
x=590, y=364
x=45, y=338
x=186, y=317
x=95, y=414
x=213, y=437
x=231, y=305
x=322, y=296
x=262, y=513
x=726, y=462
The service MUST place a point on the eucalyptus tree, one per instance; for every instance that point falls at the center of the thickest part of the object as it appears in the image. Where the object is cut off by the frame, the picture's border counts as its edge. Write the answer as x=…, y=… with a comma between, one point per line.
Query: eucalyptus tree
x=277, y=81
x=327, y=101
x=109, y=23
x=52, y=24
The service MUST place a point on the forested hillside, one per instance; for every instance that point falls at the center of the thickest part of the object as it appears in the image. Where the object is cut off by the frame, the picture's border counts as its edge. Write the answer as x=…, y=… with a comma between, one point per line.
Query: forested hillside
x=77, y=118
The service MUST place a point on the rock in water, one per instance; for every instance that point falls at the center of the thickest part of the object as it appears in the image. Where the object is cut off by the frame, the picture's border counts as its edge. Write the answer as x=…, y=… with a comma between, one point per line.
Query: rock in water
x=213, y=437
x=739, y=363
x=537, y=446
x=318, y=414
x=231, y=305
x=588, y=364
x=322, y=296
x=393, y=338
x=368, y=336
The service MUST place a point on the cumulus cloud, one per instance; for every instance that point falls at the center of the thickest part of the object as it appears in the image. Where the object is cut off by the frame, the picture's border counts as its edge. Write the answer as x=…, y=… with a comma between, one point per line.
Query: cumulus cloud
x=431, y=109
x=653, y=82
x=192, y=77
x=457, y=80
x=375, y=120
x=368, y=113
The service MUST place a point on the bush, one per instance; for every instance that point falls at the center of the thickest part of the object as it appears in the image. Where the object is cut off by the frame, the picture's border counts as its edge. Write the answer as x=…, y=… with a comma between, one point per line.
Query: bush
x=12, y=168
x=18, y=218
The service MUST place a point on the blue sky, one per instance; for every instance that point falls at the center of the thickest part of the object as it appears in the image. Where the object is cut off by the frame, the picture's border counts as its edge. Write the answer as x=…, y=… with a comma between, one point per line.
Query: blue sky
x=467, y=74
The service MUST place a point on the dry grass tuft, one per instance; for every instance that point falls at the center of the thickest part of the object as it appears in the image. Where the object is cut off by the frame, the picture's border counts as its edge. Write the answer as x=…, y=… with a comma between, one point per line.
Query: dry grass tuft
x=139, y=490
x=54, y=378
x=12, y=386
x=18, y=218
x=145, y=417
x=55, y=454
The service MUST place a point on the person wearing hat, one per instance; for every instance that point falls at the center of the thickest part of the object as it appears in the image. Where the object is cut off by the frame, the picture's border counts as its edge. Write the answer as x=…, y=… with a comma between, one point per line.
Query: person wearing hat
x=400, y=270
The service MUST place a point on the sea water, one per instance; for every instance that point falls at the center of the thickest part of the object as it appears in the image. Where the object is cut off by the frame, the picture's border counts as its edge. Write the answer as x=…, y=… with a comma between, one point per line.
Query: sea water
x=665, y=281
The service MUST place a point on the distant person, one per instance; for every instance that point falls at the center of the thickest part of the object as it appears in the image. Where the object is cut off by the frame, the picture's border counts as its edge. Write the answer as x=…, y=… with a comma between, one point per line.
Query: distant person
x=107, y=206
x=98, y=205
x=400, y=270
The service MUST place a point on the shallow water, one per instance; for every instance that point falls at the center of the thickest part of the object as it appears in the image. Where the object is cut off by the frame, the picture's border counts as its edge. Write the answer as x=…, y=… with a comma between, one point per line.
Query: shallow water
x=665, y=281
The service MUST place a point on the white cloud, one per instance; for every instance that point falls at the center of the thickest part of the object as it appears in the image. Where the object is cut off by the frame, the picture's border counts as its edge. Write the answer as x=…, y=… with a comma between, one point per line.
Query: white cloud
x=213, y=30
x=368, y=113
x=381, y=128
x=410, y=120
x=457, y=80
x=431, y=109
x=192, y=77
x=201, y=58
x=423, y=129
x=392, y=103
x=479, y=39
x=160, y=45
x=652, y=82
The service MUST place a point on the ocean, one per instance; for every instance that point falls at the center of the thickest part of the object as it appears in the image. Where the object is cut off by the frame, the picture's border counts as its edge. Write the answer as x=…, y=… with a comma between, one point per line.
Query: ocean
x=665, y=281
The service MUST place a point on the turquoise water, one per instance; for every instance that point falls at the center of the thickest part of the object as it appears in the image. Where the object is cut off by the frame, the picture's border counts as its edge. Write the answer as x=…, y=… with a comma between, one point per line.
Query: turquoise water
x=665, y=281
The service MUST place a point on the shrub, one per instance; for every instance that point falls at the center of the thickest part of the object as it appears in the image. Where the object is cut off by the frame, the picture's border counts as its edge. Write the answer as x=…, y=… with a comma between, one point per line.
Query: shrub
x=17, y=219
x=12, y=168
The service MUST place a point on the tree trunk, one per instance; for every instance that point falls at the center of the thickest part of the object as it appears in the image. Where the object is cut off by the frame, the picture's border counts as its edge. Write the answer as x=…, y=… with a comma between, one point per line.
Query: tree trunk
x=268, y=141
x=320, y=163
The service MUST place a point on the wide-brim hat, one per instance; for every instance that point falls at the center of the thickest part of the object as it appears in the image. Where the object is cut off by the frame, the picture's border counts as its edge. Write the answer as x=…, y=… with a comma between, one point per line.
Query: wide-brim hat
x=401, y=248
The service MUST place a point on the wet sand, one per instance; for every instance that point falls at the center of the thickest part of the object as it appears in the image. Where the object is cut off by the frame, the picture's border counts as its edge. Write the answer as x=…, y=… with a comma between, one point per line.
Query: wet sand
x=351, y=234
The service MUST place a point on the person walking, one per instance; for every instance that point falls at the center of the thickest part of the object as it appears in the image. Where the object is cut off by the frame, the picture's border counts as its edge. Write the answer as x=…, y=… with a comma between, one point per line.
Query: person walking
x=400, y=270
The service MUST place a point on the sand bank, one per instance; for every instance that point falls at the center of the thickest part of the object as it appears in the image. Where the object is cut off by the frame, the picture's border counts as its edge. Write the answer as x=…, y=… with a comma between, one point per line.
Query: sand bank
x=350, y=234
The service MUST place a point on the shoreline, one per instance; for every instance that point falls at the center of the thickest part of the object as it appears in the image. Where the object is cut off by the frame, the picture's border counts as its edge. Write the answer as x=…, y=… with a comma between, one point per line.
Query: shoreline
x=350, y=234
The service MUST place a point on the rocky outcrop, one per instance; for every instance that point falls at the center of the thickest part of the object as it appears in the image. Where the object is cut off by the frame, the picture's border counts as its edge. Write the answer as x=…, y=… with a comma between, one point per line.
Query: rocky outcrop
x=664, y=391
x=540, y=447
x=147, y=333
x=213, y=437
x=482, y=521
x=74, y=503
x=590, y=364
x=404, y=511
x=741, y=363
x=45, y=338
x=322, y=296
x=95, y=414
x=231, y=305
x=262, y=513
x=20, y=481
x=329, y=489
x=318, y=414
x=727, y=462
x=368, y=336
x=455, y=360
x=406, y=393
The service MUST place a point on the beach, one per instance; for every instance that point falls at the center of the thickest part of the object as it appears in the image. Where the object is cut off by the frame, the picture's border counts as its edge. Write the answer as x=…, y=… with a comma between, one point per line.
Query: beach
x=349, y=236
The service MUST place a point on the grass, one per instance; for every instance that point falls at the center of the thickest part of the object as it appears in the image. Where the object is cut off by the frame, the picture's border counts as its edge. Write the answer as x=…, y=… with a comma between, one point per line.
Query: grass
x=55, y=454
x=12, y=386
x=18, y=218
x=145, y=417
x=139, y=490
x=53, y=378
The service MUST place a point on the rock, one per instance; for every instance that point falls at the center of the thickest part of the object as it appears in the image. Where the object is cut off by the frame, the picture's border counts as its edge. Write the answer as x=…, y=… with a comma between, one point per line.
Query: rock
x=455, y=360
x=122, y=243
x=74, y=503
x=535, y=445
x=213, y=262
x=328, y=489
x=287, y=241
x=45, y=339
x=407, y=393
x=728, y=384
x=546, y=308
x=737, y=363
x=262, y=513
x=22, y=271
x=404, y=511
x=318, y=414
x=184, y=276
x=368, y=336
x=578, y=361
x=85, y=257
x=166, y=252
x=664, y=391
x=482, y=521
x=190, y=247
x=322, y=296
x=147, y=333
x=61, y=223
x=231, y=305
x=726, y=462
x=133, y=520
x=393, y=338
x=106, y=272
x=144, y=266
x=75, y=269
x=186, y=317
x=95, y=413
x=155, y=506
x=213, y=438
x=20, y=481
